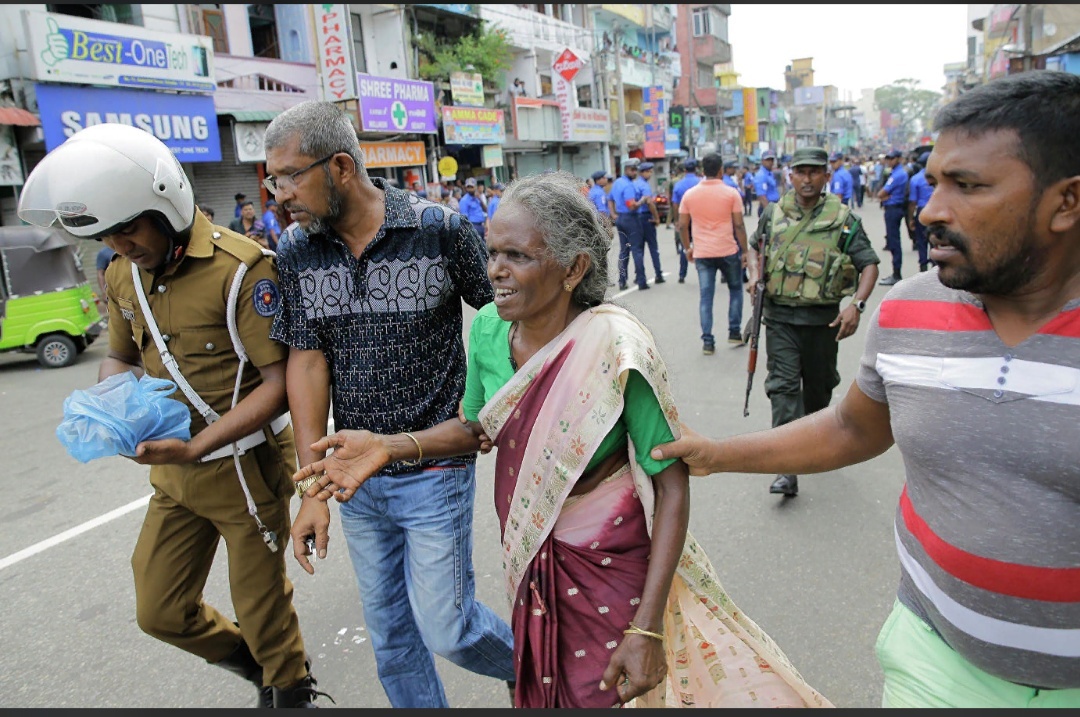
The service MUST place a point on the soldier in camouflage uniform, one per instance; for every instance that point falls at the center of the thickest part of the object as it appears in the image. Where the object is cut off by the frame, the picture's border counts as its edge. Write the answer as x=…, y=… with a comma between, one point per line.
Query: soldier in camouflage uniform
x=816, y=253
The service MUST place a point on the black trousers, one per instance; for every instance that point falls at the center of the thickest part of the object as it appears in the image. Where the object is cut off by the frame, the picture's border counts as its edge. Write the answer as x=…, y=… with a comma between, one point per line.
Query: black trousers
x=801, y=368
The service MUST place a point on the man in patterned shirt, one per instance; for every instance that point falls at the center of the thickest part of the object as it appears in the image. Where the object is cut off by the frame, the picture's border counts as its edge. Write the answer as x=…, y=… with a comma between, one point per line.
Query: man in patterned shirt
x=372, y=280
x=973, y=370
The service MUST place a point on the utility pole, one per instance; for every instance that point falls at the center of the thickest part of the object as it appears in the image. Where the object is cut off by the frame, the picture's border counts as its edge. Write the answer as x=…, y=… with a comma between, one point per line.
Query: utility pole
x=617, y=51
x=1028, y=37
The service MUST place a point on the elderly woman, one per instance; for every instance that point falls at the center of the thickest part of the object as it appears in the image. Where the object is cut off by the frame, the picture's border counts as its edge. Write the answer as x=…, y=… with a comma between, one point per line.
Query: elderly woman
x=611, y=598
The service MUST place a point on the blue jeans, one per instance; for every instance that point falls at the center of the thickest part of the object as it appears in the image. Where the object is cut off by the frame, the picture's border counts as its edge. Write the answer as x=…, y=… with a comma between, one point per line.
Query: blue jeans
x=631, y=243
x=410, y=540
x=894, y=217
x=731, y=269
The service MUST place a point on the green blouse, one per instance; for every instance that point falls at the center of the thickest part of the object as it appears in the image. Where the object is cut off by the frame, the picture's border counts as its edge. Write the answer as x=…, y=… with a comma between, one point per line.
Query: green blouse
x=490, y=370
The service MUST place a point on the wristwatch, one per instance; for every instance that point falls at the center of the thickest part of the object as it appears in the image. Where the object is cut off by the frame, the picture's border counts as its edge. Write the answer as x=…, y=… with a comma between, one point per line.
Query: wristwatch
x=859, y=305
x=303, y=484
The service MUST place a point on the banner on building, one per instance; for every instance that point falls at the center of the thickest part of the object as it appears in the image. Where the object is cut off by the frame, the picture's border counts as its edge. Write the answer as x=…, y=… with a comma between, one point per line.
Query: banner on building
x=393, y=154
x=473, y=125
x=677, y=122
x=590, y=125
x=391, y=105
x=655, y=129
x=809, y=95
x=750, y=116
x=187, y=124
x=333, y=42
x=65, y=48
x=467, y=89
x=491, y=155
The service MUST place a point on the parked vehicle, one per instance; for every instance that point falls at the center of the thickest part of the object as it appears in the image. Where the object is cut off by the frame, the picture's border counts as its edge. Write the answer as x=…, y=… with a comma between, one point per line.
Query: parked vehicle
x=47, y=305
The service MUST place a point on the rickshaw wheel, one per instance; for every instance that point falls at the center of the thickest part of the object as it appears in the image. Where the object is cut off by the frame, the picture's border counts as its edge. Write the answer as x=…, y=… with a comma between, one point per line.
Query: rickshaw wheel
x=56, y=351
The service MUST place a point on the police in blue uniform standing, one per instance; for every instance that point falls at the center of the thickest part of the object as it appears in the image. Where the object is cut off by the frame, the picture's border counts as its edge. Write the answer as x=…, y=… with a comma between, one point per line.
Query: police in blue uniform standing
x=623, y=203
x=893, y=197
x=841, y=183
x=598, y=196
x=681, y=187
x=471, y=206
x=650, y=217
x=765, y=182
x=919, y=191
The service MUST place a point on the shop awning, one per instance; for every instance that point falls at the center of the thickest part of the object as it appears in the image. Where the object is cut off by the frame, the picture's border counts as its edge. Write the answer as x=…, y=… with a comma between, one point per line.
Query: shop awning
x=18, y=116
x=251, y=115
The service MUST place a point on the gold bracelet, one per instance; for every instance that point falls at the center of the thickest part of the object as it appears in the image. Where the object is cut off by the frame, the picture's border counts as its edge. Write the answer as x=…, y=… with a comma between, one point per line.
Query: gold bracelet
x=419, y=448
x=635, y=630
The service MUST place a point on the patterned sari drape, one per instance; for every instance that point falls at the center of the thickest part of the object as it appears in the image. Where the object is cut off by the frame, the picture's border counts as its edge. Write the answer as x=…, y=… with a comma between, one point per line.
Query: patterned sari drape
x=574, y=567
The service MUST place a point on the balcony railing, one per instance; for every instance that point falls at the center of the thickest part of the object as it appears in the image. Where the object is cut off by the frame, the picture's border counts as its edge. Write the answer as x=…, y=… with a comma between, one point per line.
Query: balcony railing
x=529, y=30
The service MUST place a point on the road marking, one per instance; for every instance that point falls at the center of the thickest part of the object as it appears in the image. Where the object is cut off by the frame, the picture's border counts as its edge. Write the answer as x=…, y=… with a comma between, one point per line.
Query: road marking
x=77, y=530
x=631, y=289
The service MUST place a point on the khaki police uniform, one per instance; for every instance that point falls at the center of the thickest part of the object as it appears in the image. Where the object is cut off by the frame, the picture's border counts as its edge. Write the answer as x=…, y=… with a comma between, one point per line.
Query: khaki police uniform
x=196, y=504
x=800, y=344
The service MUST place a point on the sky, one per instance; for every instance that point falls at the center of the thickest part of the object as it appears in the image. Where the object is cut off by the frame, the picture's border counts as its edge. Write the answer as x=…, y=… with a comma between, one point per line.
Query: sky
x=854, y=46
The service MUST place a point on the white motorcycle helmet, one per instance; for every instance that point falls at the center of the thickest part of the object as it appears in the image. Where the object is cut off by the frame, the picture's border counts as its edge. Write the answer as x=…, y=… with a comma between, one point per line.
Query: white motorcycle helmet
x=104, y=177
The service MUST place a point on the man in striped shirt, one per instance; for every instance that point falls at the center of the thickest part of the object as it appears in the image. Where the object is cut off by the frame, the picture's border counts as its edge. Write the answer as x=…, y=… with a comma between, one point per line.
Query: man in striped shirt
x=973, y=370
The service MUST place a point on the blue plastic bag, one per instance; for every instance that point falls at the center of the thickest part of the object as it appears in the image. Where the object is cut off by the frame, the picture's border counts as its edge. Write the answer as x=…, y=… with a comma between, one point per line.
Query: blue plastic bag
x=112, y=417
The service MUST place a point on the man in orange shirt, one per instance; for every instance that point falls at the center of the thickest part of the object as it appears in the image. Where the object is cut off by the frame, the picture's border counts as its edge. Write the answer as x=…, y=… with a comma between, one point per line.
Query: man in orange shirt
x=715, y=211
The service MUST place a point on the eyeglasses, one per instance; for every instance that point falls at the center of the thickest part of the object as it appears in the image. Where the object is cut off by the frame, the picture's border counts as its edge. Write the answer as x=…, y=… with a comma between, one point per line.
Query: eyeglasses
x=288, y=181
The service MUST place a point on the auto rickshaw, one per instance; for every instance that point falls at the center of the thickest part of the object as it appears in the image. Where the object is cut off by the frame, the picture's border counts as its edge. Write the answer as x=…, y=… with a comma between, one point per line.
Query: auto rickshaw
x=47, y=305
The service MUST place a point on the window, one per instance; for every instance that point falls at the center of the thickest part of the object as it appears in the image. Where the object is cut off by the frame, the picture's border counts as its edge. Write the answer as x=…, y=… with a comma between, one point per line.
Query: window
x=264, y=37
x=359, y=58
x=125, y=14
x=702, y=22
x=209, y=20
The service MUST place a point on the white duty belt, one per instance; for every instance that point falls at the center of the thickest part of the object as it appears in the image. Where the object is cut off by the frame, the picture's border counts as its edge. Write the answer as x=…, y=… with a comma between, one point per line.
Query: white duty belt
x=245, y=443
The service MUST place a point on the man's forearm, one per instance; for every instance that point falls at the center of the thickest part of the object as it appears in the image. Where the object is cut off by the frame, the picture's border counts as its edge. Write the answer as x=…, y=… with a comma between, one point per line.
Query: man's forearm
x=265, y=403
x=307, y=383
x=852, y=431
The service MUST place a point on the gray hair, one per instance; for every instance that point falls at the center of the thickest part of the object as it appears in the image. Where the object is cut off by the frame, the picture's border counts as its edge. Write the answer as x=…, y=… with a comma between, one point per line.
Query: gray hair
x=323, y=128
x=570, y=226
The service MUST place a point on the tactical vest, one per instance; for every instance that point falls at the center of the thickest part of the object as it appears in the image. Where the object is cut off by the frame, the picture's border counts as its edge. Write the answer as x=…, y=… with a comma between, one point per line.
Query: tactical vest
x=807, y=261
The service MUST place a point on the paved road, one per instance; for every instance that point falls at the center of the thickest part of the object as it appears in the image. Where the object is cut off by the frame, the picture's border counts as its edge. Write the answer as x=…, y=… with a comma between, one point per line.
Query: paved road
x=818, y=573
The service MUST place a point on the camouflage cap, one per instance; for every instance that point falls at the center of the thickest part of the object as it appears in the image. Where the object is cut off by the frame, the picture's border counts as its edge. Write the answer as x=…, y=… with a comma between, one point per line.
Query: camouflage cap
x=810, y=155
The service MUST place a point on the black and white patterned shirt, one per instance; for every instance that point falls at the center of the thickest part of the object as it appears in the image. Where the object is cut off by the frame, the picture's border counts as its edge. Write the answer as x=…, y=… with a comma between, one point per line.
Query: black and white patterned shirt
x=390, y=322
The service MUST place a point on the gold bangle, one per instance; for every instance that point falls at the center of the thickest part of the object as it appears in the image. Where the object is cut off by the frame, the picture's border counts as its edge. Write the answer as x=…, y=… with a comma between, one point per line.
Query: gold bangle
x=635, y=630
x=419, y=449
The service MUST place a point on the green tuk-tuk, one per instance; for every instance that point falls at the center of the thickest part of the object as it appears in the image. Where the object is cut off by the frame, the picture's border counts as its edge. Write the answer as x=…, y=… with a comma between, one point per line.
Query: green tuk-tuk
x=47, y=305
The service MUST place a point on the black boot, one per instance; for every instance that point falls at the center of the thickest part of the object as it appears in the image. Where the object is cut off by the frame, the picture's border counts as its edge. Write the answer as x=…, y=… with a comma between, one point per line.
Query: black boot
x=786, y=484
x=242, y=663
x=301, y=694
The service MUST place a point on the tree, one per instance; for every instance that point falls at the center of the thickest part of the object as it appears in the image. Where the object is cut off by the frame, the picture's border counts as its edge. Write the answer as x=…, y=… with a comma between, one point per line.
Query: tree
x=488, y=51
x=913, y=107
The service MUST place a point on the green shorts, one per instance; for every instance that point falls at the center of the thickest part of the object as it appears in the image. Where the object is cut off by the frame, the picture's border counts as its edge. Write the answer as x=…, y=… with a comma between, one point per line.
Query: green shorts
x=922, y=671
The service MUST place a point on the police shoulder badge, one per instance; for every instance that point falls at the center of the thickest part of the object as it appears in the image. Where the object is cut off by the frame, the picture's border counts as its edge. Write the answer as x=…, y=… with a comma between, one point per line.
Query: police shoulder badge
x=267, y=297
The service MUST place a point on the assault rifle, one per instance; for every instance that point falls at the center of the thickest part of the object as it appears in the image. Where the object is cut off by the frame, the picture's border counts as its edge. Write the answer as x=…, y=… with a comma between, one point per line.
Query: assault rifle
x=753, y=331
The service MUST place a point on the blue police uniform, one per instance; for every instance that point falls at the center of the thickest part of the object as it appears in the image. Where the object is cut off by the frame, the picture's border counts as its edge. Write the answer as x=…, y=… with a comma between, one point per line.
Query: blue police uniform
x=631, y=235
x=895, y=209
x=648, y=229
x=599, y=197
x=842, y=185
x=765, y=186
x=473, y=210
x=682, y=187
x=919, y=191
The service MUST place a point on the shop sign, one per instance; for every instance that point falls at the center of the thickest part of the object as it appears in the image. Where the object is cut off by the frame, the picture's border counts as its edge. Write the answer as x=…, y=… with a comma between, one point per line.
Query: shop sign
x=187, y=124
x=473, y=125
x=491, y=155
x=467, y=89
x=393, y=154
x=64, y=48
x=391, y=105
x=567, y=65
x=337, y=70
x=590, y=125
x=655, y=114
